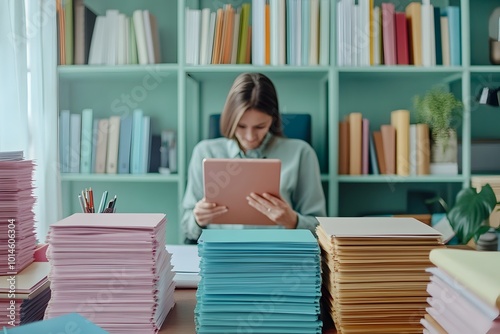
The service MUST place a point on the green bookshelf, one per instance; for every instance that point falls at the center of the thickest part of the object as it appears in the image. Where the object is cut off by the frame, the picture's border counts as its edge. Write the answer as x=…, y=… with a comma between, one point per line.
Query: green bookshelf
x=184, y=96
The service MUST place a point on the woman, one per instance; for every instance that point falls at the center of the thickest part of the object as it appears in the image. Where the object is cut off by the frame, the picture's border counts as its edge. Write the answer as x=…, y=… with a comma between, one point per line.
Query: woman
x=251, y=125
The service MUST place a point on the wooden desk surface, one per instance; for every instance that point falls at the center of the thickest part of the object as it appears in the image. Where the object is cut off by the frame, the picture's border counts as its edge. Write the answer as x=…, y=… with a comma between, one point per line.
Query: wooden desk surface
x=181, y=318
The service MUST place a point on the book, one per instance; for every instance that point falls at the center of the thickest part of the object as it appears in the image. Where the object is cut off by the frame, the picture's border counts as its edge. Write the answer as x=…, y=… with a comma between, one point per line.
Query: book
x=75, y=122
x=355, y=143
x=113, y=142
x=400, y=120
x=64, y=140
x=125, y=144
x=414, y=16
x=86, y=141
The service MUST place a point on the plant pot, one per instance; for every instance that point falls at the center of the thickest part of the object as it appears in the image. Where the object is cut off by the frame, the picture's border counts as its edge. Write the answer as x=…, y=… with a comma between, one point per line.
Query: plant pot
x=445, y=149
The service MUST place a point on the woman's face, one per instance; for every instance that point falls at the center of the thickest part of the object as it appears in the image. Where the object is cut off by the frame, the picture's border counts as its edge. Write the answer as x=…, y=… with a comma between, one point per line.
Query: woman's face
x=252, y=128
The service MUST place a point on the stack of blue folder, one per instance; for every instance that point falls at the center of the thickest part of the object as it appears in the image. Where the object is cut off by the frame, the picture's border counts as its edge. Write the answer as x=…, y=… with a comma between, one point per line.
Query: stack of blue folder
x=258, y=281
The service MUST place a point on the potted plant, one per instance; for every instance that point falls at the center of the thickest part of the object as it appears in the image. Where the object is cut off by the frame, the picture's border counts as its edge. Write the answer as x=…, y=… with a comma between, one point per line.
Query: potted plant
x=442, y=112
x=469, y=216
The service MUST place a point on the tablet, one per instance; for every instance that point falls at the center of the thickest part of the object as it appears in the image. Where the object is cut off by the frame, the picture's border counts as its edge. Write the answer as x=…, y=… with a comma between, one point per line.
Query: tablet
x=229, y=181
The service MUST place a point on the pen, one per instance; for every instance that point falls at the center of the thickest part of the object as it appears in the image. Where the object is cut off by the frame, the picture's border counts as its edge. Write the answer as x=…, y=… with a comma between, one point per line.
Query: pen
x=102, y=204
x=85, y=203
x=91, y=201
x=82, y=205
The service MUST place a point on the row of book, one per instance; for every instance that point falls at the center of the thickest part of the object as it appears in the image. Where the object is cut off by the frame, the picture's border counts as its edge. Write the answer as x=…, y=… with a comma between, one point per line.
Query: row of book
x=399, y=148
x=114, y=145
x=295, y=32
x=422, y=34
x=111, y=39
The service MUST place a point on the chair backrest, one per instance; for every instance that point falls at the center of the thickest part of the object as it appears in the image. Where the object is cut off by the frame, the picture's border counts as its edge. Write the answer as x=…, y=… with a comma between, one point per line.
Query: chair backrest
x=296, y=126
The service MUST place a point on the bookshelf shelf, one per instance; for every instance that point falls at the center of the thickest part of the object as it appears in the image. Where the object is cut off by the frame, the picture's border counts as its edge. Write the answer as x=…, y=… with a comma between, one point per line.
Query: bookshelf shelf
x=188, y=94
x=400, y=179
x=151, y=177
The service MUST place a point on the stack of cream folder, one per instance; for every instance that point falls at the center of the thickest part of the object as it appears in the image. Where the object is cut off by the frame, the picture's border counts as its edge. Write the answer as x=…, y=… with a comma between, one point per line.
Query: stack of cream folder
x=113, y=269
x=374, y=276
x=465, y=292
x=258, y=281
x=17, y=227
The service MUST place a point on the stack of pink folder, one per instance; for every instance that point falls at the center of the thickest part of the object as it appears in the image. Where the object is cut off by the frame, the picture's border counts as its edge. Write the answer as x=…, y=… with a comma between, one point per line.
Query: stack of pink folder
x=17, y=233
x=113, y=269
x=465, y=292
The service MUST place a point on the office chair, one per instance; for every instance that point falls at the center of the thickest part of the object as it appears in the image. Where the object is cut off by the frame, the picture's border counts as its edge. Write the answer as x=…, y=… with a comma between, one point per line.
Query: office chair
x=296, y=126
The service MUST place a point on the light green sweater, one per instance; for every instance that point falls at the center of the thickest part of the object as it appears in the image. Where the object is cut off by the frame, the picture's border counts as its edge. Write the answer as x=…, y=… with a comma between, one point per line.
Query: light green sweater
x=300, y=183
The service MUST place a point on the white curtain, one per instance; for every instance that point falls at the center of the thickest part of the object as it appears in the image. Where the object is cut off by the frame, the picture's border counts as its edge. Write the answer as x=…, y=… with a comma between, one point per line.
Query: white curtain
x=31, y=100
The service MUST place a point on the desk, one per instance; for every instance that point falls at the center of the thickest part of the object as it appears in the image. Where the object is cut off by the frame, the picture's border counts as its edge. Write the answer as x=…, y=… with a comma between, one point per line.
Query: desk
x=181, y=318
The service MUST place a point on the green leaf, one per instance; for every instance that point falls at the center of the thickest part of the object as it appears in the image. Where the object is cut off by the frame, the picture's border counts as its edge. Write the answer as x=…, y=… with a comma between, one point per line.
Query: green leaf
x=470, y=211
x=480, y=231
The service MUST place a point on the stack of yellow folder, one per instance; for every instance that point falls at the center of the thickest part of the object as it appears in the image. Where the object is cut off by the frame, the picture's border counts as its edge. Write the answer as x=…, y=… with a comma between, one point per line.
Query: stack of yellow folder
x=374, y=278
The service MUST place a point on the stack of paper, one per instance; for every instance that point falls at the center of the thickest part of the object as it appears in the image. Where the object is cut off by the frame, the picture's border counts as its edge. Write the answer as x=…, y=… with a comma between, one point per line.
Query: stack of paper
x=374, y=276
x=24, y=297
x=186, y=263
x=113, y=269
x=465, y=292
x=17, y=232
x=258, y=281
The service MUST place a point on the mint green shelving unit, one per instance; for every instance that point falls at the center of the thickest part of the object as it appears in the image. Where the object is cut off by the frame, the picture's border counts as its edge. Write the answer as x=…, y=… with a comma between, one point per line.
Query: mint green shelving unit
x=186, y=95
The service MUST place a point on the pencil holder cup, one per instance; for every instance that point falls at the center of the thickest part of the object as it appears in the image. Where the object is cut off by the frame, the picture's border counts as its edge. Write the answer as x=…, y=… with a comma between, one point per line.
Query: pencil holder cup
x=494, y=52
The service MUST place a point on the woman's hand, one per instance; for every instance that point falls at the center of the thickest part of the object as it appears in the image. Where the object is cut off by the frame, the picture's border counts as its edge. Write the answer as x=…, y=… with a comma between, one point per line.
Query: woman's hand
x=205, y=211
x=275, y=208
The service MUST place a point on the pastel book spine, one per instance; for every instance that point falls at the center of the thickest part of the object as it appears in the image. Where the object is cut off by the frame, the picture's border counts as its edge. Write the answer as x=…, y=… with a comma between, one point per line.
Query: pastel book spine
x=379, y=150
x=355, y=143
x=413, y=149
x=113, y=142
x=344, y=147
x=145, y=143
x=402, y=48
x=258, y=32
x=149, y=36
x=445, y=41
x=365, y=136
x=140, y=37
x=102, y=146
x=305, y=32
x=373, y=157
x=75, y=132
x=125, y=144
x=135, y=154
x=389, y=142
x=86, y=141
x=324, y=45
x=389, y=33
x=64, y=140
x=423, y=150
x=414, y=16
x=95, y=139
x=453, y=13
x=427, y=33
x=437, y=36
x=400, y=120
